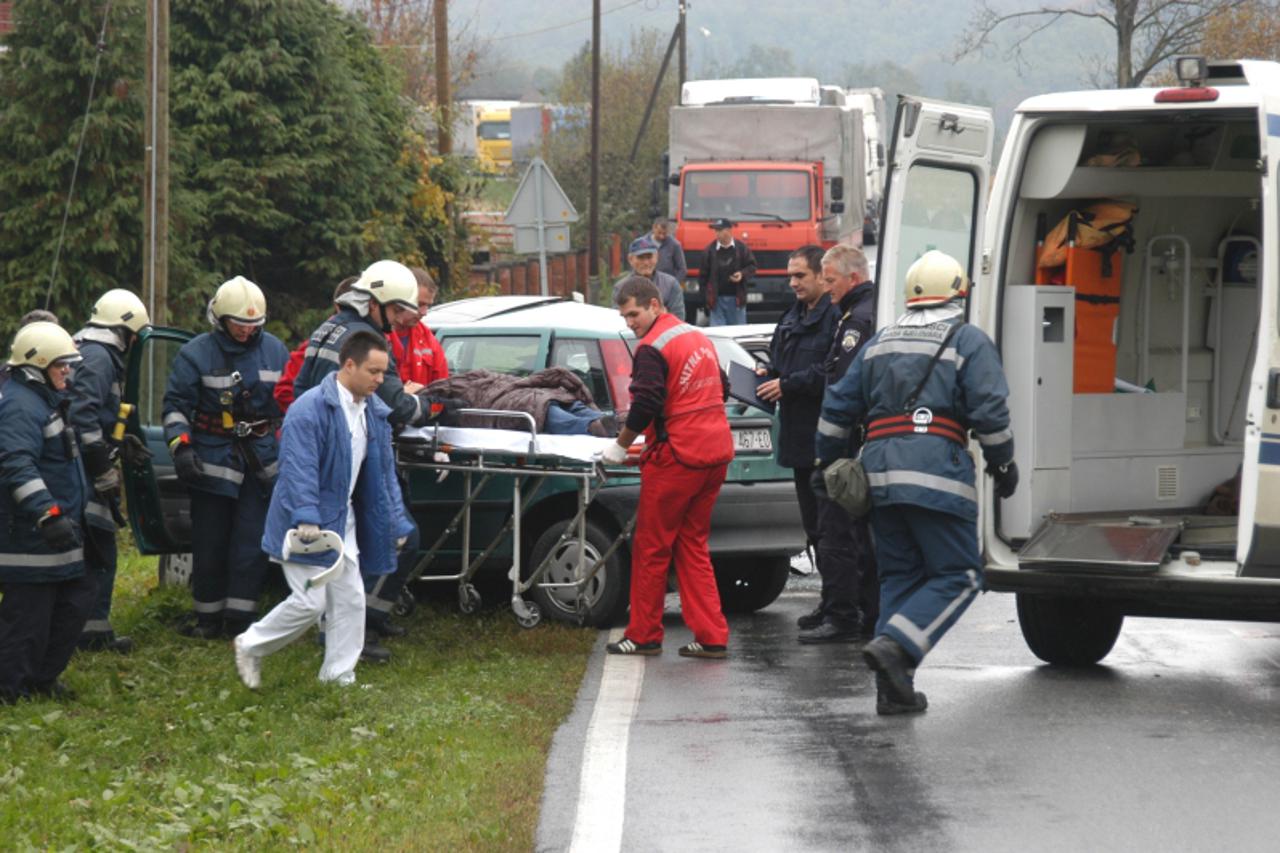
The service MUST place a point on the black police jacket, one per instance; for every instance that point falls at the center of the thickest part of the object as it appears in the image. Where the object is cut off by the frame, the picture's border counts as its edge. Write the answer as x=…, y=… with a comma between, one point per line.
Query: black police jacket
x=855, y=323
x=798, y=355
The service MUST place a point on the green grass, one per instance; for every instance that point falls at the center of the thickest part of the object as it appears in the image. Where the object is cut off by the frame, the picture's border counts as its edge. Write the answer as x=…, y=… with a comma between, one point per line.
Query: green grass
x=443, y=749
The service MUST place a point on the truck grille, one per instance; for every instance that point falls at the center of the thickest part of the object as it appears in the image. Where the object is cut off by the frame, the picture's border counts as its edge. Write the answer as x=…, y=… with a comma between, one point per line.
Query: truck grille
x=766, y=261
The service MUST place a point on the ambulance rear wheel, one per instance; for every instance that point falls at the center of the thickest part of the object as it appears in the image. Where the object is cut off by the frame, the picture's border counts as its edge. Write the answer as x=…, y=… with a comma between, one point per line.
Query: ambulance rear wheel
x=604, y=597
x=748, y=584
x=1068, y=631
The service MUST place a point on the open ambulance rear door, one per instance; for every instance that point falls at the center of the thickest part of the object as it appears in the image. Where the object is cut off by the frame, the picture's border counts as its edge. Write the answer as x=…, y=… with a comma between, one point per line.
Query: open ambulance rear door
x=935, y=193
x=1258, y=549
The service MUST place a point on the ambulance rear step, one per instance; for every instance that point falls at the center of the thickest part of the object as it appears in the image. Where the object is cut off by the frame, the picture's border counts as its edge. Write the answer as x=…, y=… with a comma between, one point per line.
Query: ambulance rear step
x=1081, y=541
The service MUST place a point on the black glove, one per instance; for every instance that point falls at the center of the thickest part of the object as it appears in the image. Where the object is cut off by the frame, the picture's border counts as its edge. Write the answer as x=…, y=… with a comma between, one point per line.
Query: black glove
x=59, y=533
x=134, y=451
x=818, y=481
x=440, y=411
x=1006, y=479
x=187, y=464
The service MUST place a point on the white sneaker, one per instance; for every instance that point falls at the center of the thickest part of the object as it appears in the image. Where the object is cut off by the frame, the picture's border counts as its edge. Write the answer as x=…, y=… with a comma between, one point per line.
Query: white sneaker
x=248, y=665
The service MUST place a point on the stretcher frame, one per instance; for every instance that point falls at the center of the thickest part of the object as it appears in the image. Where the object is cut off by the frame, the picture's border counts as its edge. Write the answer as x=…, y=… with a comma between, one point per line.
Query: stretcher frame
x=529, y=473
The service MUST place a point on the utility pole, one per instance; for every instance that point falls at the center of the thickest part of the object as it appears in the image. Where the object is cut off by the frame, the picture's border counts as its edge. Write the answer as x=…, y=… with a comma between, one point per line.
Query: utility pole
x=445, y=132
x=684, y=57
x=155, y=216
x=593, y=226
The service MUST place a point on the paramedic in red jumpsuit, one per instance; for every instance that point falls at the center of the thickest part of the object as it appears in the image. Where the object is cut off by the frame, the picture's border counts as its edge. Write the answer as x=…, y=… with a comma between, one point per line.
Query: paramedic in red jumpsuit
x=677, y=400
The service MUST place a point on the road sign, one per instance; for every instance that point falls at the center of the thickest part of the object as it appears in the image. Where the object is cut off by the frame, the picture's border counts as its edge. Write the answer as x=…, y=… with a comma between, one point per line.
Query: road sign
x=540, y=212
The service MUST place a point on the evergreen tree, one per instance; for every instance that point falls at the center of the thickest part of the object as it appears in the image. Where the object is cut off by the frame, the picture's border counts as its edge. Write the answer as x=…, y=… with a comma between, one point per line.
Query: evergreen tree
x=55, y=43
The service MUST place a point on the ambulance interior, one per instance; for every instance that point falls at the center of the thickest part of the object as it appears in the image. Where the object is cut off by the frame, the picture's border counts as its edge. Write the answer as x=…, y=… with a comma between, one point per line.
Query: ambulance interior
x=1129, y=367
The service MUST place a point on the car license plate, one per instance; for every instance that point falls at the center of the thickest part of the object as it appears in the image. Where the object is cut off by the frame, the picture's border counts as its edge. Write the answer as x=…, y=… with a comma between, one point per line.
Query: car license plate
x=752, y=439
x=755, y=297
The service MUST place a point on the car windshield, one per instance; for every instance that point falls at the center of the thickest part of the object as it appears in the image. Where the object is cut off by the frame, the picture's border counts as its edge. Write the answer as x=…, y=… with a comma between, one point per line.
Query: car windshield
x=747, y=195
x=495, y=130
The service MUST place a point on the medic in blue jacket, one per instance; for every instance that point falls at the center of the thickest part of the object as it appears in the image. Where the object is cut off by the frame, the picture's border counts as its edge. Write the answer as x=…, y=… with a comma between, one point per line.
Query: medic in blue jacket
x=920, y=387
x=220, y=421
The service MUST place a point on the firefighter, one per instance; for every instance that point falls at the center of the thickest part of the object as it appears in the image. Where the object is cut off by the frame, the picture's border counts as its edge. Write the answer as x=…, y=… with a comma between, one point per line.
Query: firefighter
x=418, y=354
x=385, y=291
x=920, y=386
x=220, y=421
x=117, y=319
x=677, y=400
x=45, y=593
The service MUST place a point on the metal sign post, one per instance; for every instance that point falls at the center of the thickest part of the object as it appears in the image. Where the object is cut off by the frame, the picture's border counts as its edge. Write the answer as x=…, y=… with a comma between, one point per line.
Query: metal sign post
x=540, y=212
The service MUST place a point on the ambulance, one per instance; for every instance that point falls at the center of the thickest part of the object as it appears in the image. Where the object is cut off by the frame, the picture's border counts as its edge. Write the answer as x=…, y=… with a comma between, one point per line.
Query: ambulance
x=1144, y=372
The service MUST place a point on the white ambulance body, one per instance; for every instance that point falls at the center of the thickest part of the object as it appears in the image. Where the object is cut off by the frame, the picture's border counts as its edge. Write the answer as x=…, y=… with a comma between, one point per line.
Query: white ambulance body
x=1116, y=512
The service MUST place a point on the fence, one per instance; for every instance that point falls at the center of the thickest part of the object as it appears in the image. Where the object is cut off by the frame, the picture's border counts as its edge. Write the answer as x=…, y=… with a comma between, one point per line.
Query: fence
x=566, y=273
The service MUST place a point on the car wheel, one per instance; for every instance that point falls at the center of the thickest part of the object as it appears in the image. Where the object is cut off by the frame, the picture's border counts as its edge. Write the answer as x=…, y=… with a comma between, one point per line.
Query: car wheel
x=1068, y=631
x=747, y=585
x=605, y=595
x=175, y=570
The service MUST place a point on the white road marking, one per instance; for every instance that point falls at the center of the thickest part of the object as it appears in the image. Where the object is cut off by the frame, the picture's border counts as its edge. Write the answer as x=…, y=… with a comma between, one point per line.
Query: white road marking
x=602, y=792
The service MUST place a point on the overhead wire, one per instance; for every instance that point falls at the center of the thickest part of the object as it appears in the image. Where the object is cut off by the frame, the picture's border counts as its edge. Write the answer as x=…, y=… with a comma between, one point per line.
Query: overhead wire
x=75, y=167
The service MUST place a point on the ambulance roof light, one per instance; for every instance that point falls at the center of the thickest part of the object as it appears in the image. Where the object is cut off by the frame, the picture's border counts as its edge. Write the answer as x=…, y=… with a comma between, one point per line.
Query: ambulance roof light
x=1192, y=72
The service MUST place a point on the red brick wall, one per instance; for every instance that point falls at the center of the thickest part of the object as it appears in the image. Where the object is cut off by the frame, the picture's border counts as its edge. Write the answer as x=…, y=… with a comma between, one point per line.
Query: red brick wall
x=6, y=17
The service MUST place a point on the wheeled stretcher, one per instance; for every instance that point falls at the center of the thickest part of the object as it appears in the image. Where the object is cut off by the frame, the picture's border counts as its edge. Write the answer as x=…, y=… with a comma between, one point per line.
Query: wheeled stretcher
x=530, y=459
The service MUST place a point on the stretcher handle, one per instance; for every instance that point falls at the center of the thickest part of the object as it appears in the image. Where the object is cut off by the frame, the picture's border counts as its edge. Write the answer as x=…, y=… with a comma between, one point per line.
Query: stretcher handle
x=506, y=413
x=327, y=541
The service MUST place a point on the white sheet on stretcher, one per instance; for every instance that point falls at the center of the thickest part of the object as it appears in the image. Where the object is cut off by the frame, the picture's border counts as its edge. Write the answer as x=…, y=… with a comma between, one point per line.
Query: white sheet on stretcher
x=579, y=448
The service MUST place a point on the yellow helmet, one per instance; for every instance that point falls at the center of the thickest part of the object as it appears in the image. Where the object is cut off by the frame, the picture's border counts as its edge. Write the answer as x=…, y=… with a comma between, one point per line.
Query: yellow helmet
x=42, y=345
x=389, y=282
x=241, y=300
x=934, y=279
x=120, y=307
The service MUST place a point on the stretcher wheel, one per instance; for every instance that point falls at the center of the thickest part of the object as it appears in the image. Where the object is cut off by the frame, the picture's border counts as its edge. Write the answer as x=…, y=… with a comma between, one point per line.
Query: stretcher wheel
x=405, y=604
x=468, y=598
x=531, y=617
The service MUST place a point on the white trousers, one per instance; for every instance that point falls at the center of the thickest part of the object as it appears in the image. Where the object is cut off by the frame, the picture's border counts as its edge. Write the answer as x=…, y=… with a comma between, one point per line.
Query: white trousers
x=340, y=602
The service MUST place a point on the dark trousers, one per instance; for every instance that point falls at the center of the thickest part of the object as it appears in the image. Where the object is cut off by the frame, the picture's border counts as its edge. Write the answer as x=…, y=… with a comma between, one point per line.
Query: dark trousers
x=808, y=504
x=846, y=561
x=228, y=566
x=100, y=560
x=930, y=572
x=381, y=592
x=39, y=626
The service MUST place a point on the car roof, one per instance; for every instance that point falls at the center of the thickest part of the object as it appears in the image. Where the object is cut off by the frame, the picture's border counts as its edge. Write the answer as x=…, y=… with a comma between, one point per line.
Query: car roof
x=508, y=312
x=747, y=330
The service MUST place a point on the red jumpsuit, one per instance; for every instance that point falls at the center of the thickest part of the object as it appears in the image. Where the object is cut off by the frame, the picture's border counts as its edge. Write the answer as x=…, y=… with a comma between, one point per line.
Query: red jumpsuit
x=423, y=360
x=686, y=455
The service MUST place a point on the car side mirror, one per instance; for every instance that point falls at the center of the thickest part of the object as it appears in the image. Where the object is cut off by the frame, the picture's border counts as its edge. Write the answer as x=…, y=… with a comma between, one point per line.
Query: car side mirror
x=837, y=189
x=674, y=179
x=837, y=207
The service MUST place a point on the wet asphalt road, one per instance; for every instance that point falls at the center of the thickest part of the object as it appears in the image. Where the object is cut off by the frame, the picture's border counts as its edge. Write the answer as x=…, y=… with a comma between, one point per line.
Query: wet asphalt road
x=1173, y=745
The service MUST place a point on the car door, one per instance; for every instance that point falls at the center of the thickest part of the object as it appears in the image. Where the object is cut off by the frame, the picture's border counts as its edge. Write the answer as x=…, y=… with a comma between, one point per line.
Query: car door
x=935, y=192
x=159, y=507
x=1258, y=531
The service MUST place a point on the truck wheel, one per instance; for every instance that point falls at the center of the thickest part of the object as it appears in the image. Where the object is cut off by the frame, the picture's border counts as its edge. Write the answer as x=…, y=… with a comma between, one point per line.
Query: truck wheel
x=1068, y=631
x=605, y=596
x=174, y=570
x=750, y=584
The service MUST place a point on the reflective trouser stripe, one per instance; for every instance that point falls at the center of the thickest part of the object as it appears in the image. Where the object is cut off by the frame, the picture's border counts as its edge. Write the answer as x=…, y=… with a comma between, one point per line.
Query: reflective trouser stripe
x=374, y=602
x=28, y=489
x=223, y=473
x=923, y=639
x=209, y=606
x=924, y=481
x=833, y=430
x=97, y=626
x=63, y=558
x=242, y=605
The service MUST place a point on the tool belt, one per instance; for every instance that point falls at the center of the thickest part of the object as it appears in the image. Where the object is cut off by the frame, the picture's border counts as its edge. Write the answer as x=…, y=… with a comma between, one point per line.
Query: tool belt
x=212, y=424
x=922, y=421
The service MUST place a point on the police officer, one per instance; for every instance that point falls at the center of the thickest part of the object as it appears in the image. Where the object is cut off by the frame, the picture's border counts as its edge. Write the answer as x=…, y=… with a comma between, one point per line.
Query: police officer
x=117, y=318
x=385, y=291
x=220, y=420
x=45, y=594
x=920, y=386
x=797, y=358
x=846, y=560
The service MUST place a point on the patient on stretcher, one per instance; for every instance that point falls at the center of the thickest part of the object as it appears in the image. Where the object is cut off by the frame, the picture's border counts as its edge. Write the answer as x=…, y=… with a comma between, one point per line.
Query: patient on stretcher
x=556, y=398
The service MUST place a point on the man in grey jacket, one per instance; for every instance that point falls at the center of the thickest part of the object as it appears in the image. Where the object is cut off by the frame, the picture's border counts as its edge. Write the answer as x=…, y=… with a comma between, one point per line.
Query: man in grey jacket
x=643, y=258
x=671, y=258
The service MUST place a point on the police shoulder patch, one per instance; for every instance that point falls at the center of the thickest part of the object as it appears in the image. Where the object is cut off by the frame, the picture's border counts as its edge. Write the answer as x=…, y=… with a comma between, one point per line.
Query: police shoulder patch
x=850, y=339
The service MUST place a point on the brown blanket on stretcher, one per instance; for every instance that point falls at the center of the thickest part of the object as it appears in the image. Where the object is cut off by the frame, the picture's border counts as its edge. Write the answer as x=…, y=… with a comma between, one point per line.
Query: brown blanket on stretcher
x=485, y=389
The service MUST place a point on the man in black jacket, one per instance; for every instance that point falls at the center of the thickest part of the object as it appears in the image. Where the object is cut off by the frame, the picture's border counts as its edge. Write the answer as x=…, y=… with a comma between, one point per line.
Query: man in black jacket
x=846, y=561
x=727, y=268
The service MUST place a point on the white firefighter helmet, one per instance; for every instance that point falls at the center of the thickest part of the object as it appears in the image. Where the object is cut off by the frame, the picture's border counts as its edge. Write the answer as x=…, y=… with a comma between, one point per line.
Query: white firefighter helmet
x=42, y=345
x=120, y=307
x=240, y=300
x=934, y=279
x=389, y=282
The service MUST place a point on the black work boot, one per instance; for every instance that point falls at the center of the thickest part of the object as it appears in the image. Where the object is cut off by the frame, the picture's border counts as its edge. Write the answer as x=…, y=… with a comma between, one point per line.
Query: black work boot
x=374, y=651
x=202, y=628
x=885, y=656
x=105, y=641
x=811, y=620
x=887, y=706
x=829, y=632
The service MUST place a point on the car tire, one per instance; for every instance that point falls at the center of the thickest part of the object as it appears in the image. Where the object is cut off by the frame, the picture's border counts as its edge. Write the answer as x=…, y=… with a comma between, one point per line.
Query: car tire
x=606, y=595
x=1068, y=631
x=174, y=570
x=751, y=584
